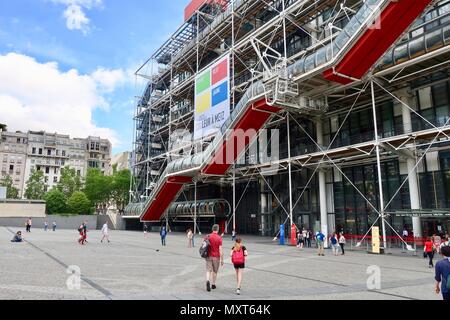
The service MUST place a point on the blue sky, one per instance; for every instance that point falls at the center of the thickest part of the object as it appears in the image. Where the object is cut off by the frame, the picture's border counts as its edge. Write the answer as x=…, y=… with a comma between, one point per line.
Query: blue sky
x=95, y=46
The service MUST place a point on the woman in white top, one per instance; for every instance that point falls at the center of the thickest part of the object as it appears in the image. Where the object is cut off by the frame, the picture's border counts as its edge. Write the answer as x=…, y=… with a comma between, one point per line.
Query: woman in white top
x=342, y=242
x=190, y=236
x=105, y=232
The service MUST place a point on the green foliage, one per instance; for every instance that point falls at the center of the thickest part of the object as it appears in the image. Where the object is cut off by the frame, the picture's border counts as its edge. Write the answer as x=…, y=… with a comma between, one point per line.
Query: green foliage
x=56, y=201
x=98, y=187
x=120, y=188
x=69, y=182
x=11, y=191
x=35, y=186
x=79, y=203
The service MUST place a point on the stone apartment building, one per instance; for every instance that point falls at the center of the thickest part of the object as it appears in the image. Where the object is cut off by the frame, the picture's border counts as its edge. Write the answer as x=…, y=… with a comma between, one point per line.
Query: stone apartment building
x=22, y=153
x=13, y=154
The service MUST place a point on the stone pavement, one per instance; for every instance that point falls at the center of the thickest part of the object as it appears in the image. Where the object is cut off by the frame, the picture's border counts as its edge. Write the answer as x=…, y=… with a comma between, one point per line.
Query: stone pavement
x=134, y=267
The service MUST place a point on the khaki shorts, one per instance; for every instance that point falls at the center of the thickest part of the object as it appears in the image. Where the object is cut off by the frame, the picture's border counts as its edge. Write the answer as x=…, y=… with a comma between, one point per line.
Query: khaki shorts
x=212, y=264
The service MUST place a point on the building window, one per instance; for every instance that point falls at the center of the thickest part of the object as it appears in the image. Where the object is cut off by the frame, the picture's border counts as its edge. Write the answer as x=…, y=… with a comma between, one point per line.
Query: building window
x=56, y=171
x=47, y=170
x=46, y=179
x=40, y=151
x=57, y=152
x=78, y=173
x=49, y=152
x=33, y=151
x=63, y=153
x=55, y=179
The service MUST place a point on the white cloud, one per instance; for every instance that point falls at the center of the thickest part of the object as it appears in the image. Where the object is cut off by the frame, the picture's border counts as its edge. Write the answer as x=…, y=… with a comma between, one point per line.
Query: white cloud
x=74, y=14
x=76, y=19
x=109, y=79
x=38, y=96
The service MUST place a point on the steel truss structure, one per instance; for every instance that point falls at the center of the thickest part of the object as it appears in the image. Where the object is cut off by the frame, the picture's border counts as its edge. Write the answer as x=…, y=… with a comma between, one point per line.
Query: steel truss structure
x=289, y=54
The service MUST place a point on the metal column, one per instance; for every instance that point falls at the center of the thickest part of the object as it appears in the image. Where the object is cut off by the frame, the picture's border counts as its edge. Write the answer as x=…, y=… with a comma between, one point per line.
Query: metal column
x=290, y=170
x=414, y=194
x=322, y=187
x=195, y=207
x=380, y=184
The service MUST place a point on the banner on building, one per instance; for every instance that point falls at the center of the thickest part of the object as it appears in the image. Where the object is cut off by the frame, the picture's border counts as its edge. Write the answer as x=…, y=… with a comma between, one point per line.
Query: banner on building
x=212, y=98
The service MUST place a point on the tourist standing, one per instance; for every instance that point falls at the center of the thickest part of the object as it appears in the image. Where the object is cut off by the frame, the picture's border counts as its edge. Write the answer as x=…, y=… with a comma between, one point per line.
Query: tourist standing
x=54, y=226
x=334, y=244
x=300, y=240
x=45, y=226
x=320, y=239
x=105, y=232
x=442, y=274
x=429, y=251
x=163, y=234
x=190, y=236
x=342, y=242
x=28, y=225
x=238, y=254
x=308, y=238
x=233, y=235
x=214, y=259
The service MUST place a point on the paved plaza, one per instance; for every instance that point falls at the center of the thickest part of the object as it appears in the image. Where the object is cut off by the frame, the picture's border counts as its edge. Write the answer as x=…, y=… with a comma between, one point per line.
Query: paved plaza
x=134, y=267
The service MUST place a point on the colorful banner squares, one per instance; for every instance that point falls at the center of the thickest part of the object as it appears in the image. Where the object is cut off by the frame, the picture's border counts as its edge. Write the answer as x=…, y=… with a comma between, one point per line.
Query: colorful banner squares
x=220, y=72
x=203, y=82
x=203, y=102
x=220, y=94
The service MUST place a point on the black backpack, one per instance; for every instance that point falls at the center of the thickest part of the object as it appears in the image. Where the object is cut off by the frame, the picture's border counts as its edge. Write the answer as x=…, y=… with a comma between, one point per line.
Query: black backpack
x=204, y=248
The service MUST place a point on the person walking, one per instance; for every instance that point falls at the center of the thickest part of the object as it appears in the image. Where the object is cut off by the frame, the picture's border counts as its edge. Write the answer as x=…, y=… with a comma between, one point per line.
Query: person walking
x=145, y=231
x=214, y=259
x=334, y=244
x=85, y=231
x=238, y=254
x=105, y=232
x=190, y=236
x=163, y=234
x=233, y=235
x=342, y=242
x=45, y=226
x=320, y=239
x=82, y=236
x=429, y=251
x=437, y=243
x=442, y=274
x=54, y=226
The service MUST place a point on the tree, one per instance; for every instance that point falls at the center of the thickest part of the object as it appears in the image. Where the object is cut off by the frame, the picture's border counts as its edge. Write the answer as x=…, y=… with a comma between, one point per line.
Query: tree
x=69, y=182
x=11, y=191
x=79, y=203
x=98, y=187
x=35, y=186
x=56, y=201
x=120, y=188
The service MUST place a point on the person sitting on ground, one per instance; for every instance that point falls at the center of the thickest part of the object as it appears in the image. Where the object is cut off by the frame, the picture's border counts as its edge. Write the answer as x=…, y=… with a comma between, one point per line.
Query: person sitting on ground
x=17, y=237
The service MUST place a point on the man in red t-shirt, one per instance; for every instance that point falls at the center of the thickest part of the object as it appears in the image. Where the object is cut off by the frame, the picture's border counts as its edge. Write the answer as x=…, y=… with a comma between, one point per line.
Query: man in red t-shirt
x=215, y=258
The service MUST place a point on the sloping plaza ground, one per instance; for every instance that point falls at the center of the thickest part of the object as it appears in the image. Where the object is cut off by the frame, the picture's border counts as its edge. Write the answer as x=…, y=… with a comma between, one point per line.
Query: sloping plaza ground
x=134, y=267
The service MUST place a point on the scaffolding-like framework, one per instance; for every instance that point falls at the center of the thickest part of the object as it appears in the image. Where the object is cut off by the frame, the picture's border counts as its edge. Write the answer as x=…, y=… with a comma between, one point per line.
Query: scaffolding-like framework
x=263, y=39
